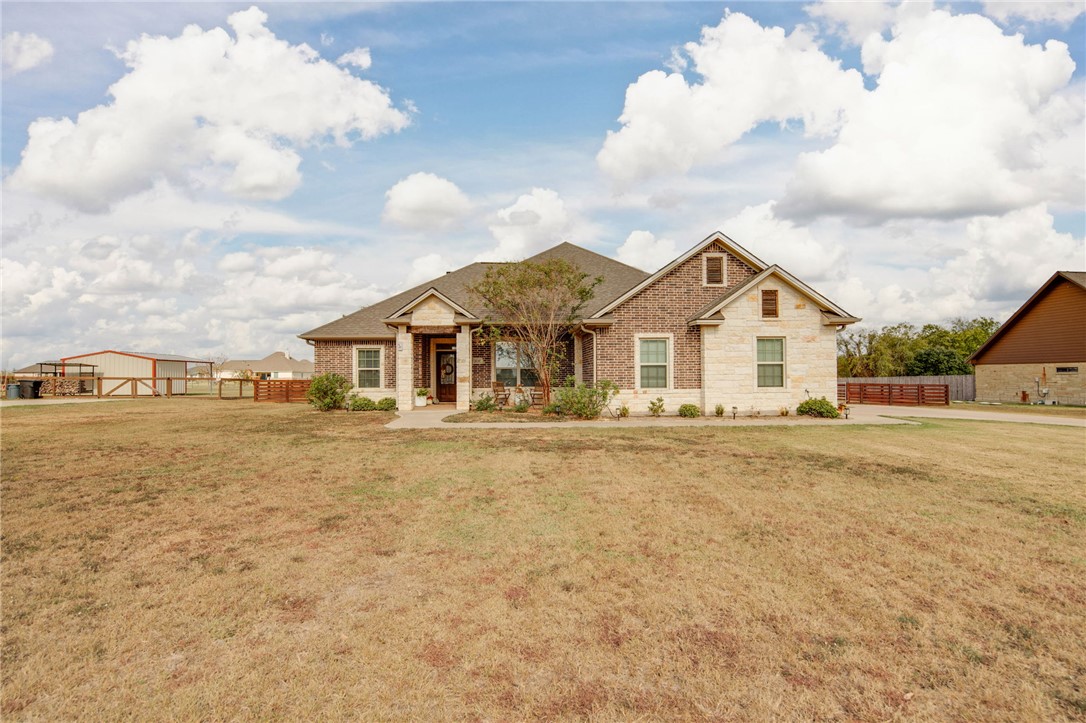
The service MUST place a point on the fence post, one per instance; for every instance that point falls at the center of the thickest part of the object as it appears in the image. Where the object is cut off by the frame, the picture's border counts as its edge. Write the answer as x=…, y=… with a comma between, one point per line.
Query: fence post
x=169, y=387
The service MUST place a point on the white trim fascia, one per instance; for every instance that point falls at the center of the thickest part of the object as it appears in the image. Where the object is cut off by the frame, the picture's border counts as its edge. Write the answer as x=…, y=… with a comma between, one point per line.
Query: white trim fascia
x=716, y=237
x=670, y=361
x=427, y=294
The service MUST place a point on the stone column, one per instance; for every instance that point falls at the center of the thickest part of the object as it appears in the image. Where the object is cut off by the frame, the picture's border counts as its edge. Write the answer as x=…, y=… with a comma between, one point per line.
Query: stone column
x=463, y=368
x=405, y=377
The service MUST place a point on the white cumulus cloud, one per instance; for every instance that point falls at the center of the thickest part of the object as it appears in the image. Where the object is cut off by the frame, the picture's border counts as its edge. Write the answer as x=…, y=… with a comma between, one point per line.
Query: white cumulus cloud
x=23, y=52
x=1059, y=12
x=359, y=58
x=963, y=122
x=780, y=241
x=643, y=250
x=204, y=110
x=423, y=201
x=425, y=268
x=536, y=221
x=749, y=74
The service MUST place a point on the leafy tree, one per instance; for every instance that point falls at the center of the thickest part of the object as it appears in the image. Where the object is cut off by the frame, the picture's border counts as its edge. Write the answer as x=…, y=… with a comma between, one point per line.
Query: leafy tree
x=904, y=350
x=537, y=303
x=937, y=361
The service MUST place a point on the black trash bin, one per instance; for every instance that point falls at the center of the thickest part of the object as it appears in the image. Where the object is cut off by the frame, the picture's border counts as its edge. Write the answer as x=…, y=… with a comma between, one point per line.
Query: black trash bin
x=29, y=388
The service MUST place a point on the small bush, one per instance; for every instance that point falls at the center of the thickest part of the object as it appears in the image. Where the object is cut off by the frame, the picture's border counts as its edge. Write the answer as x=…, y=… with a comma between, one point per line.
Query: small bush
x=623, y=411
x=656, y=408
x=783, y=411
x=361, y=404
x=719, y=411
x=553, y=409
x=485, y=403
x=522, y=406
x=328, y=391
x=818, y=408
x=583, y=401
x=689, y=411
x=388, y=404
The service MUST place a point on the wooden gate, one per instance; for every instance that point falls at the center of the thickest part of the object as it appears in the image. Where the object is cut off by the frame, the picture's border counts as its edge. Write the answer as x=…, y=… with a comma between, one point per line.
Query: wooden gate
x=894, y=394
x=280, y=390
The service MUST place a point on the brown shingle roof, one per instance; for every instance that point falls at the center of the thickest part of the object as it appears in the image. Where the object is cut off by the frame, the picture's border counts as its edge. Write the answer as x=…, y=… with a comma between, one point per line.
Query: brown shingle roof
x=366, y=323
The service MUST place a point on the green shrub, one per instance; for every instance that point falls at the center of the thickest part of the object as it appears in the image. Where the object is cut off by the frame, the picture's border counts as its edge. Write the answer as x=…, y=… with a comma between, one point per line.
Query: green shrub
x=623, y=411
x=388, y=404
x=485, y=403
x=719, y=411
x=818, y=408
x=689, y=411
x=583, y=401
x=328, y=391
x=361, y=404
x=656, y=408
x=552, y=409
x=522, y=406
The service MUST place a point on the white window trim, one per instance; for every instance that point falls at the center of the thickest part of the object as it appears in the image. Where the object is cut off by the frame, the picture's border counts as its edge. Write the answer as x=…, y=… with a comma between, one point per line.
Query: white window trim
x=783, y=362
x=380, y=366
x=705, y=269
x=670, y=339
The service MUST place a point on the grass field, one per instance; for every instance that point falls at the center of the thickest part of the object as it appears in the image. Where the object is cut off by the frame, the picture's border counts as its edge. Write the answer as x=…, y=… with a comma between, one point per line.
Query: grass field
x=197, y=559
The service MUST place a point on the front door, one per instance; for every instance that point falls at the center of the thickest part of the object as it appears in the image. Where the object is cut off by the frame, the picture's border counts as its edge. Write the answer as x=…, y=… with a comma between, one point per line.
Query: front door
x=446, y=376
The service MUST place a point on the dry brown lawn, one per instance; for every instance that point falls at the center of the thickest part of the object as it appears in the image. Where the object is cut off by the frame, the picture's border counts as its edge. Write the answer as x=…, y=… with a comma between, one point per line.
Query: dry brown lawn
x=1055, y=410
x=197, y=559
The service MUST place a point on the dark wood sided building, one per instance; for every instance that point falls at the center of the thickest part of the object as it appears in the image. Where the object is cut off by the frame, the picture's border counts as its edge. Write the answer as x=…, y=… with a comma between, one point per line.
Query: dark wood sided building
x=1039, y=354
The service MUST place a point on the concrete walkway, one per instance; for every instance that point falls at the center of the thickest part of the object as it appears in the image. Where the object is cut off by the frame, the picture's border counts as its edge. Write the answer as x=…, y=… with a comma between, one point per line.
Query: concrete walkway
x=431, y=418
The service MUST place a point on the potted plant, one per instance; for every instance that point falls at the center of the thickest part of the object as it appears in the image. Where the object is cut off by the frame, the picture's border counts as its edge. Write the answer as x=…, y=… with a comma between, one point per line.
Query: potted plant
x=420, y=396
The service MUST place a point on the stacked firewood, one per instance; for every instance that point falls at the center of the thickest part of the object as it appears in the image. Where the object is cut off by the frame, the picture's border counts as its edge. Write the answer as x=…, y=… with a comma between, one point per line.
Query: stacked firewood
x=58, y=385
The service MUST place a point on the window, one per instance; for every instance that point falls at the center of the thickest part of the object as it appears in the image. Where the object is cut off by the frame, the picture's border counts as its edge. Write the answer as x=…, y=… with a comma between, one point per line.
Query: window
x=369, y=367
x=513, y=364
x=714, y=269
x=769, y=304
x=771, y=362
x=652, y=357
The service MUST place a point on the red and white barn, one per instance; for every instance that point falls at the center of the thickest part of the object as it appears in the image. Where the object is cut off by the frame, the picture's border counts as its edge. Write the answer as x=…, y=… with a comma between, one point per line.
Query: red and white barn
x=121, y=365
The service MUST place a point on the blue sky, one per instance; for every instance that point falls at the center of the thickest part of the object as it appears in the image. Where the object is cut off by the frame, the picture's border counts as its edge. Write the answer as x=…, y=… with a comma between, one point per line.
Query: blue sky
x=250, y=178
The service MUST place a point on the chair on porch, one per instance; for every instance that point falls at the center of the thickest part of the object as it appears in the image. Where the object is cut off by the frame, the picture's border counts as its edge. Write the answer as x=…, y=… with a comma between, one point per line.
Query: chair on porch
x=501, y=394
x=537, y=396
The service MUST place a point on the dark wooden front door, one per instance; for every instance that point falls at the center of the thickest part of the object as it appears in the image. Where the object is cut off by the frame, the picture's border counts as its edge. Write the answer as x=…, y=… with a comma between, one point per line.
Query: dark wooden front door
x=446, y=376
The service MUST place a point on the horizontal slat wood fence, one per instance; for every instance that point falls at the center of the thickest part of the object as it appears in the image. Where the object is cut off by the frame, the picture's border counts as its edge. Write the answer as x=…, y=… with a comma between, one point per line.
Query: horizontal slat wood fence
x=963, y=387
x=280, y=390
x=894, y=394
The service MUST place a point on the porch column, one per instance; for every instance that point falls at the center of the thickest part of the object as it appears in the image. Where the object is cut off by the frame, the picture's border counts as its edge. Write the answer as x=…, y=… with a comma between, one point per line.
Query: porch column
x=463, y=368
x=405, y=373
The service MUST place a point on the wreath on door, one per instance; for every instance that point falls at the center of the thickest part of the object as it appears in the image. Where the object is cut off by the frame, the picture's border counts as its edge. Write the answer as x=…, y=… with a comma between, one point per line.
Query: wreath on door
x=447, y=369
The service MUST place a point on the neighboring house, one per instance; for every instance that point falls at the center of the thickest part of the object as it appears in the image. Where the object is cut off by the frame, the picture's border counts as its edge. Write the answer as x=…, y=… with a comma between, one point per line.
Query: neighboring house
x=278, y=365
x=715, y=326
x=1039, y=354
x=118, y=365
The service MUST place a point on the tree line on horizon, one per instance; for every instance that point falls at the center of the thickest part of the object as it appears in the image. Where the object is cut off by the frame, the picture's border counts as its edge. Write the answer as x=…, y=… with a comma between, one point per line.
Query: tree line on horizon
x=905, y=350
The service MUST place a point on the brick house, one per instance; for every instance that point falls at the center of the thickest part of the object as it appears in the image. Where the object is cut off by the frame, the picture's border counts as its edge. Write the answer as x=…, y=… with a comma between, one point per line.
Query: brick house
x=1039, y=353
x=715, y=326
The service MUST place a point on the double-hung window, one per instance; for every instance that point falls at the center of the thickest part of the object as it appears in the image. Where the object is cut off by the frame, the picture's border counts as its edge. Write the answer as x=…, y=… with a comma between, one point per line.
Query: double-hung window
x=513, y=364
x=369, y=368
x=771, y=362
x=652, y=357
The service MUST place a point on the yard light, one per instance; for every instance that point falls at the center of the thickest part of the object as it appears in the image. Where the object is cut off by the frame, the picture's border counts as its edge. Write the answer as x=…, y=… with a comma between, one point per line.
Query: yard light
x=735, y=410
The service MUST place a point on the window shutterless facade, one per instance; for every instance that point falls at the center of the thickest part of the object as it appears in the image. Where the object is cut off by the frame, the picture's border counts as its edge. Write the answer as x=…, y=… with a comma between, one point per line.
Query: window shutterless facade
x=368, y=367
x=653, y=363
x=770, y=362
x=513, y=364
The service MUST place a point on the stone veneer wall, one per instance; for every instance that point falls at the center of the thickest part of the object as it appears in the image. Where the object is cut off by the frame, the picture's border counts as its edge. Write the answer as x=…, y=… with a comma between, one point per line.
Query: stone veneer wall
x=337, y=357
x=1006, y=382
x=663, y=308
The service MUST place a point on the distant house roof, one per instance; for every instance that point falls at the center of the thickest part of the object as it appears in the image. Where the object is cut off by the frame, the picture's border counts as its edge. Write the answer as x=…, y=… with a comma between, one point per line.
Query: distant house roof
x=274, y=362
x=1050, y=326
x=142, y=355
x=367, y=323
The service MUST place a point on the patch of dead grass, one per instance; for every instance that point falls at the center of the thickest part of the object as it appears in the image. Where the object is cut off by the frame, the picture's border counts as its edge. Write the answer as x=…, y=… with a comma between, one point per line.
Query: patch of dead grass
x=198, y=559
